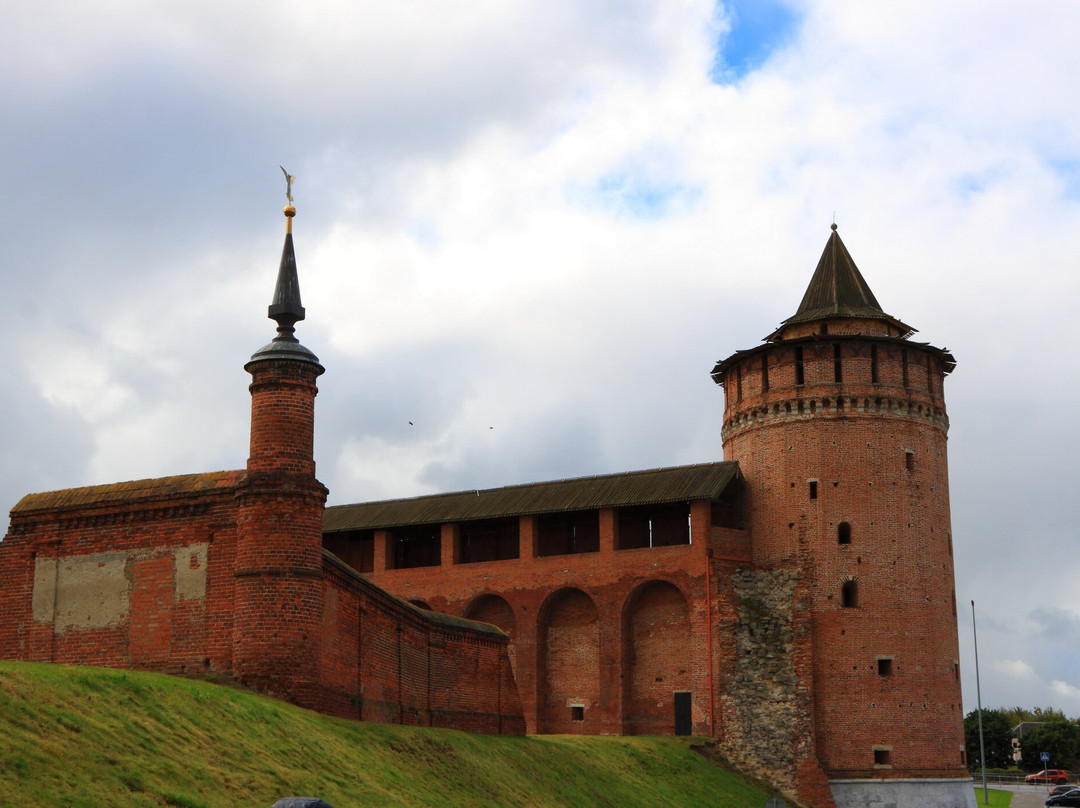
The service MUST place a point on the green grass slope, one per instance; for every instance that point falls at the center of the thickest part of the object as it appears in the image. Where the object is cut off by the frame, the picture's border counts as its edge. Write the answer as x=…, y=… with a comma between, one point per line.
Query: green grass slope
x=96, y=737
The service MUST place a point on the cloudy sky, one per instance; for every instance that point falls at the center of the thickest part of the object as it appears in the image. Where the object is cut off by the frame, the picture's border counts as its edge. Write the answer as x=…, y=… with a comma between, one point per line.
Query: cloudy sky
x=531, y=228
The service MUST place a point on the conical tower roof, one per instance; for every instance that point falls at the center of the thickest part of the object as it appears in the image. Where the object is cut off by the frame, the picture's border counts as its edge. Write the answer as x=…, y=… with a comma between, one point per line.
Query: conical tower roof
x=838, y=290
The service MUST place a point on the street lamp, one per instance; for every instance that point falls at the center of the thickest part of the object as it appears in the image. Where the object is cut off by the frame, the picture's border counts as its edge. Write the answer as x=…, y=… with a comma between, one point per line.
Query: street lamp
x=978, y=696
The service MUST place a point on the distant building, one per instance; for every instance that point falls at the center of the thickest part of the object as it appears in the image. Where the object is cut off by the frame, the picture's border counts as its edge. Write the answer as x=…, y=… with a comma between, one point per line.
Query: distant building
x=795, y=600
x=1018, y=733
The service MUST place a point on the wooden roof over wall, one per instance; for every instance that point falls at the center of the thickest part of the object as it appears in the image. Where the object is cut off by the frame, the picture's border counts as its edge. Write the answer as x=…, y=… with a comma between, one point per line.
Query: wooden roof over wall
x=158, y=488
x=677, y=484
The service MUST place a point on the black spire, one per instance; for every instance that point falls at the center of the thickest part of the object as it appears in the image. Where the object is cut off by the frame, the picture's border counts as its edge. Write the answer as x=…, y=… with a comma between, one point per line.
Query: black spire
x=285, y=309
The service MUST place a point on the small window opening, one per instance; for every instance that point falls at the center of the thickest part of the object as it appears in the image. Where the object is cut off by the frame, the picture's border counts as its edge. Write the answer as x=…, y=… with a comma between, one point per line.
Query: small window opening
x=956, y=671
x=764, y=373
x=843, y=533
x=738, y=383
x=963, y=757
x=838, y=368
x=849, y=594
x=884, y=667
x=909, y=460
x=882, y=757
x=799, y=376
x=930, y=375
x=873, y=364
x=813, y=489
x=904, y=363
x=577, y=713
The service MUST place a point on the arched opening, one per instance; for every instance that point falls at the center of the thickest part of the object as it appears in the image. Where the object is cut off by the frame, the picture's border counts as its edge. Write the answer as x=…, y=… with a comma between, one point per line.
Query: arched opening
x=419, y=604
x=569, y=692
x=493, y=609
x=849, y=594
x=656, y=659
x=843, y=533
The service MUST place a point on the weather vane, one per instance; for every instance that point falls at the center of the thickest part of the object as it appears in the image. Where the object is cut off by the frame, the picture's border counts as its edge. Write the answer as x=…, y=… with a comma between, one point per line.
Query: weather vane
x=289, y=180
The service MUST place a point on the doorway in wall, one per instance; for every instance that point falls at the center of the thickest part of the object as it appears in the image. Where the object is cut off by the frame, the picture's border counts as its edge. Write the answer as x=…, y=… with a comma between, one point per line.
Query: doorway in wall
x=683, y=724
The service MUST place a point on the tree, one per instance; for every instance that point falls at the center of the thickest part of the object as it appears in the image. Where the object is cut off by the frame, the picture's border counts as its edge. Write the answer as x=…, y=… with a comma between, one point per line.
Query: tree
x=1061, y=739
x=1017, y=715
x=997, y=733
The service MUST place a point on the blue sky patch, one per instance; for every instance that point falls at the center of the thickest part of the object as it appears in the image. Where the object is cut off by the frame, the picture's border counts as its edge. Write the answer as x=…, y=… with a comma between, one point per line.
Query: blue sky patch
x=1068, y=172
x=757, y=28
x=641, y=198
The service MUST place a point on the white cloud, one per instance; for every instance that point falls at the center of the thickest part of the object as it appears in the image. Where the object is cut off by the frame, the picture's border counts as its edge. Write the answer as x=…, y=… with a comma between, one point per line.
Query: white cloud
x=1015, y=668
x=1067, y=690
x=544, y=218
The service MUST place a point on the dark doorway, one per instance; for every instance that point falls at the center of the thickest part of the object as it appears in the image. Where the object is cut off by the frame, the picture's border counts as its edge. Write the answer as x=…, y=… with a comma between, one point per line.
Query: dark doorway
x=683, y=724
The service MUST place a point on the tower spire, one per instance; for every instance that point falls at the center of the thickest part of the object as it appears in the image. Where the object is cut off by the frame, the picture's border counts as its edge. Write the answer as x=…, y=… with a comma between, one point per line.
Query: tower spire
x=837, y=291
x=285, y=308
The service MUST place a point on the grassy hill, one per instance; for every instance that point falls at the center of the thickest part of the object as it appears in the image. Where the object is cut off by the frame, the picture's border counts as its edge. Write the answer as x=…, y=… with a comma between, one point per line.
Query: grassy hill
x=95, y=737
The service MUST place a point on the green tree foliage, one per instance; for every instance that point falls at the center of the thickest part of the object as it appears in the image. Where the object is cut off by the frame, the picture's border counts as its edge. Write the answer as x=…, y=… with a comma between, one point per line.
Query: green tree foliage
x=997, y=733
x=1060, y=738
x=1017, y=715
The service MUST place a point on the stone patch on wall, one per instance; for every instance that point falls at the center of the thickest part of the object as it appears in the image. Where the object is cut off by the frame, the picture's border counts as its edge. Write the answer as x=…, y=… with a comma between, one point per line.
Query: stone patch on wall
x=94, y=591
x=190, y=572
x=90, y=591
x=764, y=690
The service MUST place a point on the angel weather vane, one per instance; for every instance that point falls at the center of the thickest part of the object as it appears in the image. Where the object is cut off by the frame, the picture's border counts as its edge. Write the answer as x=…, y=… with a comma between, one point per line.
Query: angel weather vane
x=289, y=180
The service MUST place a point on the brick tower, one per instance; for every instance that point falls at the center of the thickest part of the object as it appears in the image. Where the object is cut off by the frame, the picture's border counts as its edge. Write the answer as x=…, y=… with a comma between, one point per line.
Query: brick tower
x=838, y=424
x=278, y=571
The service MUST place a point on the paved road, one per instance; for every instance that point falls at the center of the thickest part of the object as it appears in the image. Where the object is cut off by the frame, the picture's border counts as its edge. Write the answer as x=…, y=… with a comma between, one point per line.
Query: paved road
x=1023, y=796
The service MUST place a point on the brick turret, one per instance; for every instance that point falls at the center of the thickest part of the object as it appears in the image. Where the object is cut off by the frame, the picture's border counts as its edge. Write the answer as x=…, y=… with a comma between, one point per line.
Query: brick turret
x=838, y=424
x=278, y=591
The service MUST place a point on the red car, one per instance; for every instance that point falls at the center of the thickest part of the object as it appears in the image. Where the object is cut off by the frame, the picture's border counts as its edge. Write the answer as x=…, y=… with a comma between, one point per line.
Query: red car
x=1048, y=776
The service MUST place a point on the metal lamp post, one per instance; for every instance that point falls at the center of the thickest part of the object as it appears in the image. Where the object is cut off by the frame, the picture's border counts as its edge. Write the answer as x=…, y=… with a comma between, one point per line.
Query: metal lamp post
x=978, y=696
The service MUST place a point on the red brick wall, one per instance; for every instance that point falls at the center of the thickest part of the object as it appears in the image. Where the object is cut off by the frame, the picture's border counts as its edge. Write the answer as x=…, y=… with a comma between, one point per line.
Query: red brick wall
x=572, y=620
x=657, y=631
x=145, y=583
x=174, y=595
x=383, y=660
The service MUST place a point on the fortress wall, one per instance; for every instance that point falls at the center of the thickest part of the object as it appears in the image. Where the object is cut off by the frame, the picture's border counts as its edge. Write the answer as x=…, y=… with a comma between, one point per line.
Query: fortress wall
x=385, y=660
x=120, y=586
x=150, y=585
x=601, y=641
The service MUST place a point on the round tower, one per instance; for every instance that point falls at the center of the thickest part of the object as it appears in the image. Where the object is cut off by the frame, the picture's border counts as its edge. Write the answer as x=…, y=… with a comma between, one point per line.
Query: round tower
x=278, y=572
x=838, y=424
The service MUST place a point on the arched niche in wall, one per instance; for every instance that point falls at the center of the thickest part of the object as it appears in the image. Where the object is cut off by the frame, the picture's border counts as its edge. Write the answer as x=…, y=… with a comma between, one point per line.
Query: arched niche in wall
x=568, y=639
x=495, y=610
x=657, y=660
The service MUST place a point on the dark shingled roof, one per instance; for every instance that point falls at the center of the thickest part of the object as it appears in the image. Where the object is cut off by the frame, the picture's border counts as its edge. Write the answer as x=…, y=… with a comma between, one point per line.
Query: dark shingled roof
x=677, y=484
x=838, y=289
x=158, y=488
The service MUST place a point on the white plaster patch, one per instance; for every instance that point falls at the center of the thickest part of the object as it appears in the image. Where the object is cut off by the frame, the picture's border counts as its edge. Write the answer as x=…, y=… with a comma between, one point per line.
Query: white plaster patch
x=189, y=571
x=91, y=591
